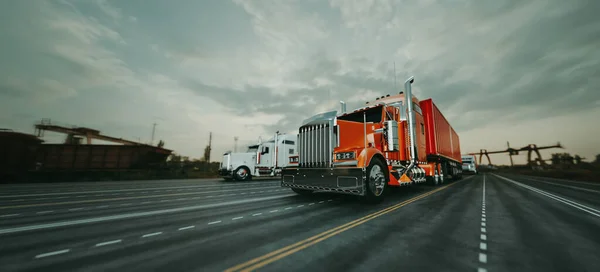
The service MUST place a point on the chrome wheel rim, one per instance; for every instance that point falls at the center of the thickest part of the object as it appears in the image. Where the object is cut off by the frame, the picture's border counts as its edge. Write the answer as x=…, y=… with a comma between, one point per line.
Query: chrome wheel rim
x=242, y=173
x=376, y=180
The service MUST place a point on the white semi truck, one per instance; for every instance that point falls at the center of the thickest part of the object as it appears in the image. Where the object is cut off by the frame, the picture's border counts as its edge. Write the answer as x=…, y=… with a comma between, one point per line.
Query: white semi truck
x=469, y=164
x=262, y=160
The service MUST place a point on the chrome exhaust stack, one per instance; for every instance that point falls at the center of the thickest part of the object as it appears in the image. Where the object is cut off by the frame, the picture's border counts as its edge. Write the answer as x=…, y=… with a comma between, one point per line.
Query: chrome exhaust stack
x=411, y=125
x=343, y=105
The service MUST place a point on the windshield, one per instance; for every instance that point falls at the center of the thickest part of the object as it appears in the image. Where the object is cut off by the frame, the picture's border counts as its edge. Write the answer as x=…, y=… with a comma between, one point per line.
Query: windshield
x=374, y=115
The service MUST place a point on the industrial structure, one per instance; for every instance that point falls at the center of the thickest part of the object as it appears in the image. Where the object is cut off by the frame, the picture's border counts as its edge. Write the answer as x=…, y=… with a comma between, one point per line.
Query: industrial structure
x=530, y=148
x=27, y=156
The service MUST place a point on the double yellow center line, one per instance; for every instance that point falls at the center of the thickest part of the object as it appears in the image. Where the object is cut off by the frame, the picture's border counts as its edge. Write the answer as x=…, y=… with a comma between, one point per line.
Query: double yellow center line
x=291, y=249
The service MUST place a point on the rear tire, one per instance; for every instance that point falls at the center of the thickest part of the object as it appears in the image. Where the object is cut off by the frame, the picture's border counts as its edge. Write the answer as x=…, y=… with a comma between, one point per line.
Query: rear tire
x=377, y=180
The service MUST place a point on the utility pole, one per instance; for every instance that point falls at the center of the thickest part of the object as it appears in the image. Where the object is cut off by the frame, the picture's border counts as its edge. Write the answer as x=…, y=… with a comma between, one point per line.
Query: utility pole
x=153, y=130
x=209, y=147
x=395, y=76
x=235, y=139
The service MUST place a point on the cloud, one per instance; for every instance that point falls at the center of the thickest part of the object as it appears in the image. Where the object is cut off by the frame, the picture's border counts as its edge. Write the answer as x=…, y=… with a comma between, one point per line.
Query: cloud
x=249, y=68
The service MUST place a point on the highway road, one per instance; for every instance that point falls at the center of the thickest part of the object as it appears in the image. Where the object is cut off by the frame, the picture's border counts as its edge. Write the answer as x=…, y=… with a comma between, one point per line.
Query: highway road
x=486, y=222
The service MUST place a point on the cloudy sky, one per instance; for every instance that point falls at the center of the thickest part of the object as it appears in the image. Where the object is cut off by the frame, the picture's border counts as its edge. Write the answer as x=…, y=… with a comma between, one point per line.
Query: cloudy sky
x=518, y=71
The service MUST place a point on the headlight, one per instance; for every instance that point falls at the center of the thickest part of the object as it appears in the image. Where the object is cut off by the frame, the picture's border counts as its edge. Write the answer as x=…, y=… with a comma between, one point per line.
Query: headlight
x=344, y=156
x=294, y=159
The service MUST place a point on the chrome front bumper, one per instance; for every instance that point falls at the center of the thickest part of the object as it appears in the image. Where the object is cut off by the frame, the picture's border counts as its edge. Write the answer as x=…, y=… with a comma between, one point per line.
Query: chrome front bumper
x=349, y=181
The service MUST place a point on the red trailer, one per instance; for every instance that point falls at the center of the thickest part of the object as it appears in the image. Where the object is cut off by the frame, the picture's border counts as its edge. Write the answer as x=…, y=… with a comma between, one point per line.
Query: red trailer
x=442, y=140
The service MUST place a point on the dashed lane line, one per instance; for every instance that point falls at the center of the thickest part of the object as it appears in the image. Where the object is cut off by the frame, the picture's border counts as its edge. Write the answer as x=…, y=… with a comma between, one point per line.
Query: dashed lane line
x=108, y=243
x=483, y=235
x=136, y=214
x=152, y=234
x=52, y=253
x=10, y=215
x=155, y=234
x=186, y=228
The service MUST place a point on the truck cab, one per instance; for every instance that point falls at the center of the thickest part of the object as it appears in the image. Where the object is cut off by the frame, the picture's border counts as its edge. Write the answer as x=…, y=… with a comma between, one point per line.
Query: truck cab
x=264, y=159
x=469, y=164
x=239, y=165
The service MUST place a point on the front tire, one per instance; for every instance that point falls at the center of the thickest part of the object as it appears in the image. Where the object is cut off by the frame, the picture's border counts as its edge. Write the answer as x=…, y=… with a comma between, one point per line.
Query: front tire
x=377, y=180
x=242, y=173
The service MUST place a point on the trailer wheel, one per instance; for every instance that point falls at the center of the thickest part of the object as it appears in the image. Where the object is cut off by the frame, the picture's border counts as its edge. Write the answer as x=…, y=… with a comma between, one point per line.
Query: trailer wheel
x=242, y=173
x=436, y=178
x=377, y=179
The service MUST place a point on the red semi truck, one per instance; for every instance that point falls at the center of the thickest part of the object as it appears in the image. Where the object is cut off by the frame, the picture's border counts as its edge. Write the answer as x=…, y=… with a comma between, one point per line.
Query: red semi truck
x=389, y=142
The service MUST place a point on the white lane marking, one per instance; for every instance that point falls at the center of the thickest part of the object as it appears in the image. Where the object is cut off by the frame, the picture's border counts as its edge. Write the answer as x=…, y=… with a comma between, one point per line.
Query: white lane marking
x=482, y=258
x=186, y=228
x=103, y=206
x=329, y=200
x=257, y=214
x=152, y=234
x=321, y=202
x=563, y=200
x=214, y=222
x=300, y=206
x=125, y=204
x=566, y=186
x=243, y=193
x=288, y=208
x=142, y=189
x=43, y=212
x=108, y=243
x=80, y=196
x=311, y=204
x=146, y=202
x=75, y=209
x=52, y=253
x=566, y=180
x=180, y=199
x=236, y=218
x=138, y=214
x=10, y=215
x=61, y=197
x=483, y=236
x=273, y=211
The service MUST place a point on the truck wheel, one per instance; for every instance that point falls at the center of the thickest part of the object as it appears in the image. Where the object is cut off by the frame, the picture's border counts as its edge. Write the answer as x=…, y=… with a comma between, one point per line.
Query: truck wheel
x=242, y=173
x=377, y=179
x=436, y=179
x=302, y=191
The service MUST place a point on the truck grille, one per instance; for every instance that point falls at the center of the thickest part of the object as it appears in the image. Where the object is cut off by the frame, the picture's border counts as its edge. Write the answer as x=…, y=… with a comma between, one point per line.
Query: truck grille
x=315, y=146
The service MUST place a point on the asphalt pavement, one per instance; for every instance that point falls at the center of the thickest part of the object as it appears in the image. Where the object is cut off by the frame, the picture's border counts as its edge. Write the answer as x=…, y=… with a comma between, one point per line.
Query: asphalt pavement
x=485, y=222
